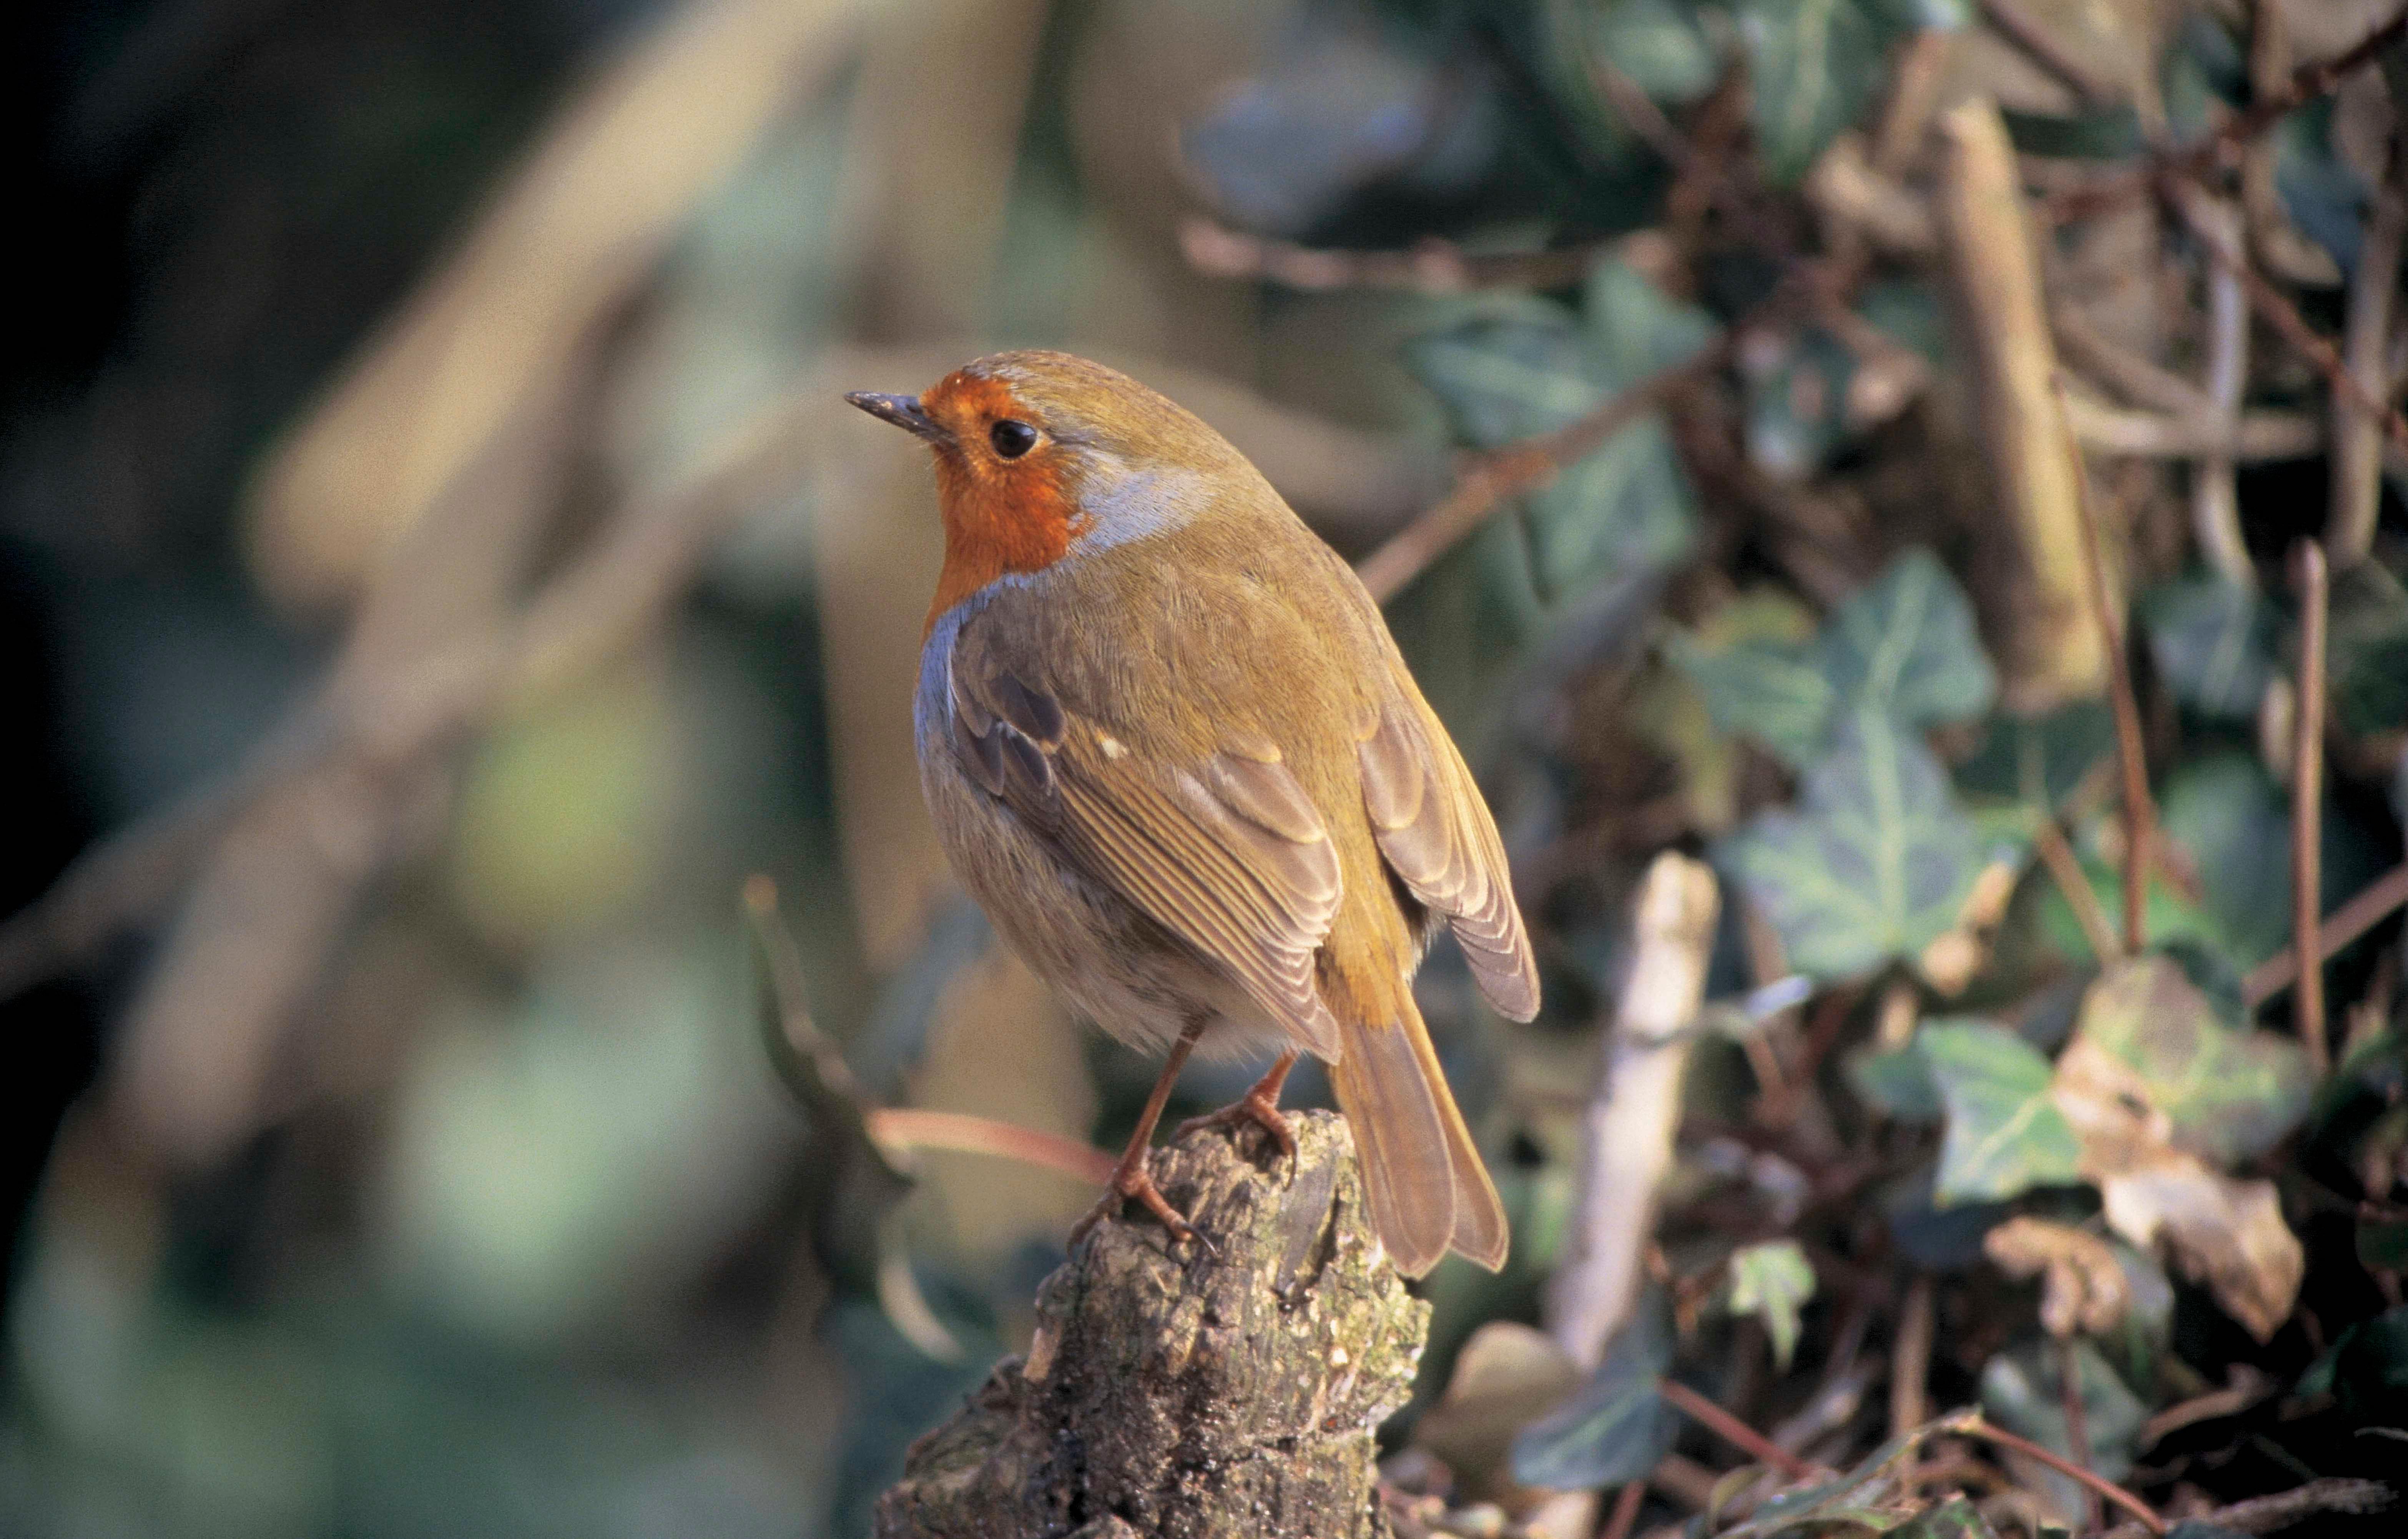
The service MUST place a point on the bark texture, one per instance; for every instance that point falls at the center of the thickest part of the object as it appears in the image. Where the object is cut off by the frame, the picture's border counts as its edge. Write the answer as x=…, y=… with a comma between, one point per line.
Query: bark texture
x=1191, y=1391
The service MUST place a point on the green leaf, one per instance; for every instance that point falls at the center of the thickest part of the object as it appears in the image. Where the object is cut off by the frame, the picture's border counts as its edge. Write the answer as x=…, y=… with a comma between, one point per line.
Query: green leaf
x=1814, y=66
x=2366, y=1368
x=2383, y=1240
x=1533, y=367
x=2229, y=1094
x=1954, y=1518
x=1616, y=1426
x=2038, y=761
x=1899, y=1082
x=2214, y=641
x=2366, y=650
x=1907, y=641
x=1876, y=860
x=1659, y=45
x=1760, y=689
x=1771, y=1281
x=2235, y=822
x=2005, y=1134
x=2021, y=1390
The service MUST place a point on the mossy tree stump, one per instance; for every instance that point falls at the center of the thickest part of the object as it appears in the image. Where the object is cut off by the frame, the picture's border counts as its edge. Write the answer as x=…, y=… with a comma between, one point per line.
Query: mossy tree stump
x=1192, y=1392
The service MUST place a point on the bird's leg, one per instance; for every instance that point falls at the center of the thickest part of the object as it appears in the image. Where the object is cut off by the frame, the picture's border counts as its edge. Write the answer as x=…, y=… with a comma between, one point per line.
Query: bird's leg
x=1130, y=1177
x=1259, y=1105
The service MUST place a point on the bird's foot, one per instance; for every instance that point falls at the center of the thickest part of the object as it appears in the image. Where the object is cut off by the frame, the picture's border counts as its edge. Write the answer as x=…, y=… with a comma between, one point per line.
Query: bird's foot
x=1131, y=1179
x=1252, y=1107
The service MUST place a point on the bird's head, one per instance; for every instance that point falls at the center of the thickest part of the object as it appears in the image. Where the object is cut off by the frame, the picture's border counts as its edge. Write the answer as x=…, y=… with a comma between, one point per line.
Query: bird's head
x=1044, y=458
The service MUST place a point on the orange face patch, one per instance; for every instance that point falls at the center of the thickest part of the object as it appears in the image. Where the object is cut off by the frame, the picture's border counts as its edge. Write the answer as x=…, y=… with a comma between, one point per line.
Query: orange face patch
x=1001, y=515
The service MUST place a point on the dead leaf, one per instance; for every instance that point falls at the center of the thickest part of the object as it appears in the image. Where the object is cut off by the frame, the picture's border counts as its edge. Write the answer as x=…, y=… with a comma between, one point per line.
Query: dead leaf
x=2225, y=1234
x=2083, y=1284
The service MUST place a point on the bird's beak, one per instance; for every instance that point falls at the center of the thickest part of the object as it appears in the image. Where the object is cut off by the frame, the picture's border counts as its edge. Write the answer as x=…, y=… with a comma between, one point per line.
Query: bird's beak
x=903, y=411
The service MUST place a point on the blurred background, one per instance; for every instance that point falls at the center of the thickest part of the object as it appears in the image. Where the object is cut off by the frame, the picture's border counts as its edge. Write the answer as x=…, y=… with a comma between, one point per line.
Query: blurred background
x=436, y=570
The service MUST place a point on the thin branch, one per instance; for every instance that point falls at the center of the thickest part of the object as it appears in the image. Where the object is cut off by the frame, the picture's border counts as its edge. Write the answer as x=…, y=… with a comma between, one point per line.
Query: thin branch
x=2268, y=1513
x=1626, y=1511
x=2066, y=872
x=2214, y=496
x=2077, y=1423
x=1974, y=1426
x=2308, y=82
x=1434, y=267
x=1910, y=1358
x=2307, y=802
x=912, y=1127
x=1492, y=480
x=2282, y=315
x=2139, y=810
x=2250, y=436
x=2357, y=455
x=2373, y=904
x=1738, y=1434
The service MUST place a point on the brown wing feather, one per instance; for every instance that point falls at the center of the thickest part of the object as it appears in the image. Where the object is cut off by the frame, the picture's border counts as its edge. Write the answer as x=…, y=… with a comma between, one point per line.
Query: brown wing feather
x=1435, y=833
x=1230, y=855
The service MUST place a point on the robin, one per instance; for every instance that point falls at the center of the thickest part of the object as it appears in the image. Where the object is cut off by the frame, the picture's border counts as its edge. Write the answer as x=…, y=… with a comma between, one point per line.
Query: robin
x=1173, y=752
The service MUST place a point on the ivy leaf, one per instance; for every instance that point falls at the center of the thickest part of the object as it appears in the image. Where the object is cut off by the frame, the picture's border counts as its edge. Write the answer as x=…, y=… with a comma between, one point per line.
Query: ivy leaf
x=1813, y=66
x=1875, y=861
x=2234, y=822
x=1771, y=1281
x=2005, y=1133
x=1907, y=641
x=2038, y=761
x=1616, y=1426
x=1899, y=1081
x=2367, y=650
x=1533, y=368
x=2229, y=1094
x=1954, y=1518
x=1760, y=689
x=2213, y=640
x=2021, y=1390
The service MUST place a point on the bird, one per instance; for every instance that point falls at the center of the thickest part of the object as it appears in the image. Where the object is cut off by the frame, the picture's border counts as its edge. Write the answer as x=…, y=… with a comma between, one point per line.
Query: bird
x=1171, y=749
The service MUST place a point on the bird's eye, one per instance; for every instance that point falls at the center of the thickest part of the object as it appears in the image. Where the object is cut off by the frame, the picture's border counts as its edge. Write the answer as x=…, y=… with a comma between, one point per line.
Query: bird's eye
x=1011, y=438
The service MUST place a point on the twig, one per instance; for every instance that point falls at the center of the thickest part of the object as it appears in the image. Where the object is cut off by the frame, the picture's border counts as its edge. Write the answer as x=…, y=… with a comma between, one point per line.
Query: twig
x=2039, y=40
x=1910, y=1358
x=1434, y=267
x=2066, y=872
x=2269, y=1513
x=2251, y=436
x=1975, y=1426
x=2307, y=803
x=1738, y=1434
x=2282, y=248
x=2077, y=1423
x=2373, y=904
x=1627, y=1128
x=912, y=1127
x=1495, y=478
x=2140, y=809
x=2282, y=315
x=2135, y=376
x=1626, y=1511
x=2356, y=453
x=2214, y=498
x=2308, y=82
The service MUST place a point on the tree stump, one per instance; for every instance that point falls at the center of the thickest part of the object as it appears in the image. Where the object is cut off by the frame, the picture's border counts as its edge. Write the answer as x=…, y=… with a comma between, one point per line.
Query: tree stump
x=1192, y=1392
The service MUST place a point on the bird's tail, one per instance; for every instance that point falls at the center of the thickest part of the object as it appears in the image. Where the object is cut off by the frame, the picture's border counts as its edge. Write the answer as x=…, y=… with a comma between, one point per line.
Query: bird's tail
x=1427, y=1189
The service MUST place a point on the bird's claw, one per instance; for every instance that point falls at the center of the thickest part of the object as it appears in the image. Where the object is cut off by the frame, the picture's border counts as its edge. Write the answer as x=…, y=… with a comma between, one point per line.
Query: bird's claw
x=1252, y=1107
x=1133, y=1180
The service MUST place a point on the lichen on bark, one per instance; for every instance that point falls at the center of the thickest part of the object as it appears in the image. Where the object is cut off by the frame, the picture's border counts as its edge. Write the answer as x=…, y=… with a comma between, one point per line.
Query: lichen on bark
x=1192, y=1392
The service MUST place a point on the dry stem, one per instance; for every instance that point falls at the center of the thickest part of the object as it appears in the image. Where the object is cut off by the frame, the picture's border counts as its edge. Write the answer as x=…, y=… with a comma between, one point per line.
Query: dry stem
x=2307, y=802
